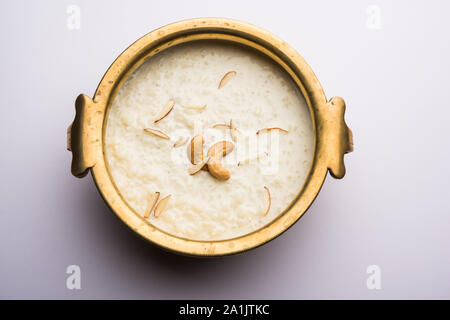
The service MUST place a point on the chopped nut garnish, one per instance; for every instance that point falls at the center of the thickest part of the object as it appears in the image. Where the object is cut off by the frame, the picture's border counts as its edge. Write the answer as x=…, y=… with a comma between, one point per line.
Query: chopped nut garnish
x=196, y=168
x=153, y=198
x=221, y=149
x=199, y=107
x=216, y=152
x=157, y=133
x=161, y=206
x=233, y=131
x=181, y=142
x=227, y=77
x=165, y=111
x=267, y=200
x=248, y=160
x=195, y=149
x=270, y=129
x=221, y=126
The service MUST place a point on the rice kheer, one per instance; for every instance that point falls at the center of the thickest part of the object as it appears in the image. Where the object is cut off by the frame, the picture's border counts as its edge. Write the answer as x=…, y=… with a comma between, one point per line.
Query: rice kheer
x=213, y=93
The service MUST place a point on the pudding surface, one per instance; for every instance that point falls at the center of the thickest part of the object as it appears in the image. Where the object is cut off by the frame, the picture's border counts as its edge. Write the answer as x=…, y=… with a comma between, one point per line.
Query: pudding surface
x=257, y=95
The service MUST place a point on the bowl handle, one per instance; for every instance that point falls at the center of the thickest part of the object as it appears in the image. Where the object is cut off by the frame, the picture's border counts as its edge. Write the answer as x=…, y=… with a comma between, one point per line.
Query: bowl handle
x=82, y=138
x=336, y=136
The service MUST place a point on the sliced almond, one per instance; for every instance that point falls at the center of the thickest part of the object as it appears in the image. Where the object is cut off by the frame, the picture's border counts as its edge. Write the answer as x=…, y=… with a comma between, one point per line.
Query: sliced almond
x=221, y=126
x=227, y=77
x=267, y=200
x=161, y=206
x=181, y=142
x=196, y=168
x=153, y=198
x=234, y=134
x=165, y=111
x=195, y=149
x=250, y=159
x=194, y=107
x=233, y=131
x=270, y=129
x=157, y=133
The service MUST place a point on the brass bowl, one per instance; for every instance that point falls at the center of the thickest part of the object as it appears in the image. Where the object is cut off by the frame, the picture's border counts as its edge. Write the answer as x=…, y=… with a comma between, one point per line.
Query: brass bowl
x=86, y=134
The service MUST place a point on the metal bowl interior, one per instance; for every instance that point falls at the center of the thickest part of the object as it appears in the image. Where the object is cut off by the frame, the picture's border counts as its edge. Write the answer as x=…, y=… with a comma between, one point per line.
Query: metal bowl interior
x=332, y=138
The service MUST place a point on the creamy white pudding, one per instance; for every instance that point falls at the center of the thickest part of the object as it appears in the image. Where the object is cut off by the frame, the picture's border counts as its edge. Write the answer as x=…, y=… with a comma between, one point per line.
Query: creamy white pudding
x=256, y=94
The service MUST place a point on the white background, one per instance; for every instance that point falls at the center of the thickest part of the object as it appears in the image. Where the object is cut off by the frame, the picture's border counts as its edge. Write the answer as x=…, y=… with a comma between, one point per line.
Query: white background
x=392, y=208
